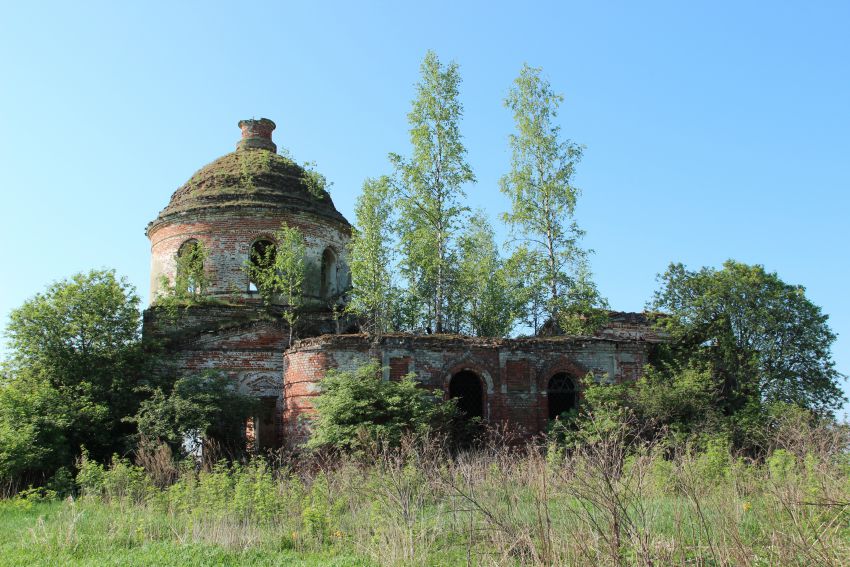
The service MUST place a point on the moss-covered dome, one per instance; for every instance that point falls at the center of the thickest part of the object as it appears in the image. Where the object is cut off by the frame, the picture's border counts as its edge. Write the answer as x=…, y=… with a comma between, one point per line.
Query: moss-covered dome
x=252, y=177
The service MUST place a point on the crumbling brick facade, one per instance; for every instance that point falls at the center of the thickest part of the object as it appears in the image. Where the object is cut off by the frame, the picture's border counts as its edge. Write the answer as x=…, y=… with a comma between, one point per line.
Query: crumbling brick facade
x=245, y=196
x=513, y=374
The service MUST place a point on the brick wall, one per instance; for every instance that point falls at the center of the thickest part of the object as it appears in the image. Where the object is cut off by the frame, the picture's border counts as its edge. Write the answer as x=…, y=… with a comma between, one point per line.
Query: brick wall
x=228, y=237
x=513, y=373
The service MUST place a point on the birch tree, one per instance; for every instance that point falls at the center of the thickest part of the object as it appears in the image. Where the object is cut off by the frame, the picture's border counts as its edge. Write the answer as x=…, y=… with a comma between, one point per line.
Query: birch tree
x=279, y=273
x=543, y=197
x=431, y=184
x=488, y=302
x=371, y=256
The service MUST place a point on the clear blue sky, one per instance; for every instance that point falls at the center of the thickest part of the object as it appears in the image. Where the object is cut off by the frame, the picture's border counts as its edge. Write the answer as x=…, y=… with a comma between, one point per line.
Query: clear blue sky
x=714, y=130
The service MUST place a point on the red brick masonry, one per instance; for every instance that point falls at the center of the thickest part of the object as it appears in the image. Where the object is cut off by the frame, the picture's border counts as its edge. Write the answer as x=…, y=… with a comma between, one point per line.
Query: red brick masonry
x=513, y=373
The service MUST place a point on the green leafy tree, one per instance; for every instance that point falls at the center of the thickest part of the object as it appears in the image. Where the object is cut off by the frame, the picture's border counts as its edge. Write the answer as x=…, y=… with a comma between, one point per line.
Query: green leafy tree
x=360, y=405
x=79, y=343
x=431, y=187
x=763, y=339
x=33, y=431
x=198, y=407
x=487, y=302
x=279, y=271
x=370, y=257
x=583, y=310
x=410, y=309
x=524, y=271
x=543, y=200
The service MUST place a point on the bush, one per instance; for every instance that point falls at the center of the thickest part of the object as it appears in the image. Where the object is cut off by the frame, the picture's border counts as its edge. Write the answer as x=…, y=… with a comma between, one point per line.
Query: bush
x=781, y=465
x=62, y=483
x=33, y=422
x=198, y=407
x=360, y=406
x=126, y=482
x=714, y=461
x=121, y=482
x=255, y=493
x=90, y=476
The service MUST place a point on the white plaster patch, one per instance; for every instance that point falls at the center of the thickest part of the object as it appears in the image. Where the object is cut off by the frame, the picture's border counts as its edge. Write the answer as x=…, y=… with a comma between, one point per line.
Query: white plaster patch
x=260, y=384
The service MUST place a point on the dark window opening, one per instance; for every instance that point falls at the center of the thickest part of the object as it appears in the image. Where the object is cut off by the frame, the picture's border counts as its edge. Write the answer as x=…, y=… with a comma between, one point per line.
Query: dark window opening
x=261, y=258
x=264, y=424
x=562, y=394
x=465, y=386
x=328, y=275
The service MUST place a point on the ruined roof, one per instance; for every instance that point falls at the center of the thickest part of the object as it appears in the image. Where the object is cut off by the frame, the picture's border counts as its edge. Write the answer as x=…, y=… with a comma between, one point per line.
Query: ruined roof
x=254, y=176
x=438, y=342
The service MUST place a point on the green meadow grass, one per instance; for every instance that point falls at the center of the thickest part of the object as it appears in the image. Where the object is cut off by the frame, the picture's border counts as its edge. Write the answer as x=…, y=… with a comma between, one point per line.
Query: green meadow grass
x=95, y=534
x=599, y=505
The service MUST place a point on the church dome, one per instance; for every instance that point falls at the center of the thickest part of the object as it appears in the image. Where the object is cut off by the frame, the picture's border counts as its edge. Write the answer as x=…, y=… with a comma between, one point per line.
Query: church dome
x=252, y=177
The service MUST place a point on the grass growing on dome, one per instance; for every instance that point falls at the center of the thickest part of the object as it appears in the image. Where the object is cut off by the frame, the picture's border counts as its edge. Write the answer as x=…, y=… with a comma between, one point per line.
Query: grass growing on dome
x=254, y=178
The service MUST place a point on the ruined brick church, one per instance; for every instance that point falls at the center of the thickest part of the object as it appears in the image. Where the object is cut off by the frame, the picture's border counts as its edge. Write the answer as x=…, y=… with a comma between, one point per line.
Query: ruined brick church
x=234, y=205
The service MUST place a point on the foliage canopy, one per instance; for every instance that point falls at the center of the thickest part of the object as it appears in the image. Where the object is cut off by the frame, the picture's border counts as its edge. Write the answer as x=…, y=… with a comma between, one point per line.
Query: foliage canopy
x=763, y=339
x=370, y=257
x=197, y=407
x=76, y=364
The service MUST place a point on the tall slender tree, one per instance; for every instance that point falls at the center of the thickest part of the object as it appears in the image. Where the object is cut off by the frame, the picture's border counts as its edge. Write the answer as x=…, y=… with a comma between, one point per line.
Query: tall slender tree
x=279, y=272
x=524, y=272
x=431, y=186
x=487, y=300
x=543, y=197
x=289, y=269
x=371, y=256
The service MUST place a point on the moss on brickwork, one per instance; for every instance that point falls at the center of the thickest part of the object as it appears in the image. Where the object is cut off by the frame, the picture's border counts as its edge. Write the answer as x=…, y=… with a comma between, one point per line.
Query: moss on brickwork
x=214, y=320
x=251, y=178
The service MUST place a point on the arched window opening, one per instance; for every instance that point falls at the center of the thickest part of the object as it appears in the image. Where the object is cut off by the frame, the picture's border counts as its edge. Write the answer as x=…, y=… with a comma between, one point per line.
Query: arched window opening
x=328, y=273
x=187, y=247
x=261, y=258
x=465, y=386
x=189, y=277
x=561, y=392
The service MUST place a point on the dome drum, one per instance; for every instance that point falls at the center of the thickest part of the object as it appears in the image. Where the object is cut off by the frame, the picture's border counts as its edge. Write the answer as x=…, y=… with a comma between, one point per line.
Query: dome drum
x=242, y=197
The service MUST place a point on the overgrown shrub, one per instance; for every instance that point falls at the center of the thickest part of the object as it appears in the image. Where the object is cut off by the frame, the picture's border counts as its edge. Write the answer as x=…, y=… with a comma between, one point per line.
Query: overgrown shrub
x=120, y=482
x=198, y=407
x=359, y=407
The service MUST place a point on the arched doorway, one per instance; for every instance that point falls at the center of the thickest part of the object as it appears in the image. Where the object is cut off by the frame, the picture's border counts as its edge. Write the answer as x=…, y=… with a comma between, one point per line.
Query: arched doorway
x=466, y=387
x=562, y=394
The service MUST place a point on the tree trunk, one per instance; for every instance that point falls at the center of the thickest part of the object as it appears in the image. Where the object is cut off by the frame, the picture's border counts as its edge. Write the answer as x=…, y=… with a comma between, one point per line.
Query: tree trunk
x=438, y=307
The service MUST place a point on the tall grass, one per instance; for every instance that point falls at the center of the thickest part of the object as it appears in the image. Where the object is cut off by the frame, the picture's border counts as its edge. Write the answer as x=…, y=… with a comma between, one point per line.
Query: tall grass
x=618, y=500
